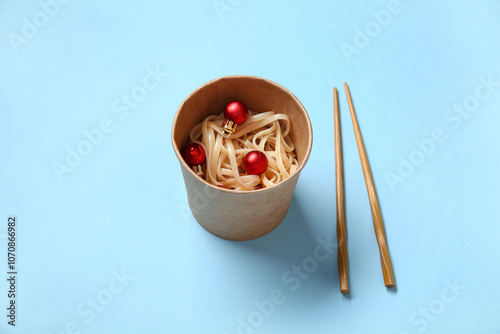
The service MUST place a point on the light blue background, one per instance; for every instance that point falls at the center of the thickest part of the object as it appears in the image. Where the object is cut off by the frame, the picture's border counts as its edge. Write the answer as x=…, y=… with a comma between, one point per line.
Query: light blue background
x=124, y=207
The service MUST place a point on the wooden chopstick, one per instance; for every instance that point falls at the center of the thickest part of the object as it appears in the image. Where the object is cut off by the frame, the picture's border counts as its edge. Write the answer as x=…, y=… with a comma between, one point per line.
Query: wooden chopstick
x=378, y=224
x=339, y=183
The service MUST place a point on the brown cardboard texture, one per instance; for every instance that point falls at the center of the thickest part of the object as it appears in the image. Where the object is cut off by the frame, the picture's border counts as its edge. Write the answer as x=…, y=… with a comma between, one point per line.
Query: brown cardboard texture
x=230, y=214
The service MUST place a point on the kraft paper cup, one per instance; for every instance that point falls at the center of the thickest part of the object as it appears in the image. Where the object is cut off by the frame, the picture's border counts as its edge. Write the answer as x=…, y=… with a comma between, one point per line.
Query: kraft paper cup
x=230, y=214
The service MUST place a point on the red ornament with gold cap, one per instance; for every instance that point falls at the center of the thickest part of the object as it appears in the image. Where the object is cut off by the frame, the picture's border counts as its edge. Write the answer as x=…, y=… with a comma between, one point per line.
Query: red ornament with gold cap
x=194, y=155
x=235, y=113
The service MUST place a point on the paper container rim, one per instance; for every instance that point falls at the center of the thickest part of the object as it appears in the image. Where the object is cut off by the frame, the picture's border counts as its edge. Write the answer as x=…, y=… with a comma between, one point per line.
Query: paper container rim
x=242, y=192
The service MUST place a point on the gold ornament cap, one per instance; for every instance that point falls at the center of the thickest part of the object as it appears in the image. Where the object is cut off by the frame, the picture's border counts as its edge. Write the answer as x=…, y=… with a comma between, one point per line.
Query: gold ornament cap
x=228, y=128
x=198, y=170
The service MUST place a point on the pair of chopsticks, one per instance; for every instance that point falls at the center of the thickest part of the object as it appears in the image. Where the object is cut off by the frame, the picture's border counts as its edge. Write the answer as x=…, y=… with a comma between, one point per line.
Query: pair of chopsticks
x=378, y=224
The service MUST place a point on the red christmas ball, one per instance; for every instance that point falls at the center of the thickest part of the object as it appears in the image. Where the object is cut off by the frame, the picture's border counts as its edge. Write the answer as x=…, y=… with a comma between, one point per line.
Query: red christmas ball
x=236, y=111
x=255, y=162
x=193, y=154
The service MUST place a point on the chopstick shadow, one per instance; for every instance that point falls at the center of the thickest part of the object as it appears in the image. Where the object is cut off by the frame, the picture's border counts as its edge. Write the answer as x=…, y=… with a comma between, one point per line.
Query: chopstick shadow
x=293, y=243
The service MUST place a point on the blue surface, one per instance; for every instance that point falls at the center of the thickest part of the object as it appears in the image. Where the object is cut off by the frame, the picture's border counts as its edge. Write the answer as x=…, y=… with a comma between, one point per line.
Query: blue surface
x=107, y=244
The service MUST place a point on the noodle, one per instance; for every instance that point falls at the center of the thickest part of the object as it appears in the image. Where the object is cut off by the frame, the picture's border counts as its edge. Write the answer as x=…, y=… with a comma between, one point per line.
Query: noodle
x=224, y=156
